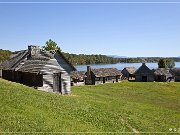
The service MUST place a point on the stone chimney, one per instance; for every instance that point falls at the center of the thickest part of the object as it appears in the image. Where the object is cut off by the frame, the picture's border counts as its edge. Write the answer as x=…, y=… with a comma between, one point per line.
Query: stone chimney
x=88, y=70
x=33, y=50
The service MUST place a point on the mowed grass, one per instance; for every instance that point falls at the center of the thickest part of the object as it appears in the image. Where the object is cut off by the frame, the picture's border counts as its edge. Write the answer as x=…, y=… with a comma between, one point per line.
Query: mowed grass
x=118, y=107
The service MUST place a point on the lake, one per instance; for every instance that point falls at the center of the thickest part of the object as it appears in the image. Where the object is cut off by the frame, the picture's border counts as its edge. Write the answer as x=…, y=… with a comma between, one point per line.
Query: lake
x=120, y=66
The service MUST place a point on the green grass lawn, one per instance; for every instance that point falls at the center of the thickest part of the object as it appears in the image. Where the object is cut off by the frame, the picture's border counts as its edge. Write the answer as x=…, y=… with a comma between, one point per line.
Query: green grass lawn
x=118, y=107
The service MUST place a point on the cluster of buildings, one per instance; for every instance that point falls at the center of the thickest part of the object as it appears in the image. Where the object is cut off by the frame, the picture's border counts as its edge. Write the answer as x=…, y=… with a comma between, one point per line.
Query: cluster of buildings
x=142, y=74
x=95, y=76
x=52, y=72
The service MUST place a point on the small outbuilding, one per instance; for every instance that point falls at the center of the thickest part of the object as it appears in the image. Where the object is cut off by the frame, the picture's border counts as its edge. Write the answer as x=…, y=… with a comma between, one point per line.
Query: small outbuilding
x=102, y=75
x=163, y=75
x=144, y=74
x=47, y=70
x=128, y=72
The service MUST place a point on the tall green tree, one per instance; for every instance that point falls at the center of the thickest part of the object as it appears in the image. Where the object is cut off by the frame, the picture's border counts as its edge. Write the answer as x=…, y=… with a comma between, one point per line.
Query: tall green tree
x=162, y=63
x=51, y=45
x=170, y=63
x=166, y=63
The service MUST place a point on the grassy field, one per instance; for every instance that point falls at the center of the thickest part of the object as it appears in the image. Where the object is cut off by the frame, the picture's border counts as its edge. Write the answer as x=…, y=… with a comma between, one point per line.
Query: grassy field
x=119, y=107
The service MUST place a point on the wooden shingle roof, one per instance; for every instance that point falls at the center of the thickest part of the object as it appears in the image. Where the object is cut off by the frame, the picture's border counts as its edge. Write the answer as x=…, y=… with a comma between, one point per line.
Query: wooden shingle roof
x=131, y=70
x=143, y=69
x=33, y=66
x=163, y=71
x=103, y=72
x=78, y=75
x=14, y=60
x=25, y=62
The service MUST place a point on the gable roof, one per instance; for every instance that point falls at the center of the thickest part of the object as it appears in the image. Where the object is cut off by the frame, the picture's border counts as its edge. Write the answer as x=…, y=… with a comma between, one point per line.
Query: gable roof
x=143, y=69
x=131, y=70
x=25, y=62
x=103, y=72
x=60, y=53
x=163, y=71
x=14, y=60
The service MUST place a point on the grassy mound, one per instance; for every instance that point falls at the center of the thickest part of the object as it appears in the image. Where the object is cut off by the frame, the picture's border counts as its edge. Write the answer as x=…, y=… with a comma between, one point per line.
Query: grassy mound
x=118, y=107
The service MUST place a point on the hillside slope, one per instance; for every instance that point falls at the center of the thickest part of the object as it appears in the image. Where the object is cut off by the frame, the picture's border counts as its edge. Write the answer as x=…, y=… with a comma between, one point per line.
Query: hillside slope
x=119, y=107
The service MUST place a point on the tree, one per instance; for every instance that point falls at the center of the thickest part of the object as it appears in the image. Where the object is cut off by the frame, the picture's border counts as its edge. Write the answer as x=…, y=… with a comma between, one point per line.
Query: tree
x=161, y=63
x=51, y=45
x=170, y=63
x=166, y=63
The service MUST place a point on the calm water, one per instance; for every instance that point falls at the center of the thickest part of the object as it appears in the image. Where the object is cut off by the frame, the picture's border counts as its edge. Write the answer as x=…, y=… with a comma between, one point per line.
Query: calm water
x=120, y=66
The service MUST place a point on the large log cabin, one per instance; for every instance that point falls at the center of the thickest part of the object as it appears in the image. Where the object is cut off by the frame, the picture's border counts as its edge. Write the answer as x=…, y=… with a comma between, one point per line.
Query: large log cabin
x=47, y=70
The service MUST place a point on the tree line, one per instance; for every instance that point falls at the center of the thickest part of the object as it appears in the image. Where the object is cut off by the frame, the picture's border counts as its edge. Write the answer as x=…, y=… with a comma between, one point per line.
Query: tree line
x=103, y=59
x=81, y=59
x=146, y=59
x=89, y=59
x=4, y=55
x=73, y=58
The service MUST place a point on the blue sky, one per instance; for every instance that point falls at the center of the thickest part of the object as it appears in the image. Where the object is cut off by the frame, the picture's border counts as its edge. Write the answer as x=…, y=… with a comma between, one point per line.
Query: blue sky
x=144, y=29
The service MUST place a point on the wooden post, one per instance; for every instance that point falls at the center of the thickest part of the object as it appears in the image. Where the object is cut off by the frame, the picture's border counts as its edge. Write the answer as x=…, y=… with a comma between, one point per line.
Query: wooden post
x=21, y=79
x=34, y=80
x=117, y=78
x=0, y=73
x=89, y=72
x=104, y=79
x=12, y=75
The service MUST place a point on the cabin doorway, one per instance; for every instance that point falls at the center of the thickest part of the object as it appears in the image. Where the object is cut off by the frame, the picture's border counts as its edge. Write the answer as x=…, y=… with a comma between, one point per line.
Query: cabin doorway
x=144, y=78
x=57, y=87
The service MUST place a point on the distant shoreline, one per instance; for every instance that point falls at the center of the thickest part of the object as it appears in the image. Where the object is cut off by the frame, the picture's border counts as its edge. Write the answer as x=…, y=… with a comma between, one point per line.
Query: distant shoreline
x=120, y=66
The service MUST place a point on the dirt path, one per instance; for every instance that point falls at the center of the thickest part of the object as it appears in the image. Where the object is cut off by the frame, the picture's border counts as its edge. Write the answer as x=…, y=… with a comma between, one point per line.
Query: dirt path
x=130, y=127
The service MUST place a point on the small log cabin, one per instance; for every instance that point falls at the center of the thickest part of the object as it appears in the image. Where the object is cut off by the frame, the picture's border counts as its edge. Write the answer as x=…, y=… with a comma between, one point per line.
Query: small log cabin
x=128, y=72
x=47, y=70
x=102, y=75
x=163, y=75
x=144, y=74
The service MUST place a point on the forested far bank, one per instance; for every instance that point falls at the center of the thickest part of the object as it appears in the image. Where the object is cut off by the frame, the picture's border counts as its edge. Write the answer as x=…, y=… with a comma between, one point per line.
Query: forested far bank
x=82, y=59
x=90, y=59
x=4, y=55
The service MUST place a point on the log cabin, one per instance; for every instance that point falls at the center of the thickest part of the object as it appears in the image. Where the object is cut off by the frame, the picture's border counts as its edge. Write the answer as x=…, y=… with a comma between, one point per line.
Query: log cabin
x=128, y=72
x=144, y=74
x=46, y=70
x=102, y=75
x=163, y=75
